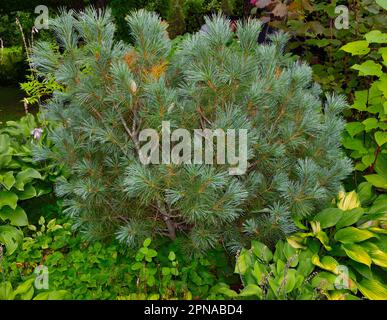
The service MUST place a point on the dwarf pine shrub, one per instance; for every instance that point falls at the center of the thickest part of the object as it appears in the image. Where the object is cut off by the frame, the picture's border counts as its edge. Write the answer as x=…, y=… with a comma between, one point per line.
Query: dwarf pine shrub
x=215, y=79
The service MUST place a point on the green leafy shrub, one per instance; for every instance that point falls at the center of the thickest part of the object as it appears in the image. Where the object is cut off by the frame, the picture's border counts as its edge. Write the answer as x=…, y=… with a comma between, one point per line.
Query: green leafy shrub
x=112, y=91
x=342, y=255
x=98, y=271
x=366, y=138
x=21, y=178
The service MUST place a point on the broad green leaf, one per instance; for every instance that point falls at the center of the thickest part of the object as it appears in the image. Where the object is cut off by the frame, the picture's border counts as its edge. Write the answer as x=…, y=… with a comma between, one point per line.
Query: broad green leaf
x=28, y=192
x=17, y=217
x=322, y=236
x=368, y=159
x=329, y=217
x=354, y=144
x=8, y=198
x=324, y=281
x=368, y=68
x=373, y=289
x=376, y=36
x=243, y=263
x=356, y=47
x=378, y=256
x=6, y=291
x=10, y=237
x=370, y=123
x=225, y=290
x=7, y=180
x=354, y=128
x=380, y=137
x=350, y=217
x=261, y=251
x=351, y=235
x=357, y=253
x=251, y=290
x=377, y=180
x=382, y=3
x=53, y=295
x=327, y=263
x=24, y=287
x=25, y=177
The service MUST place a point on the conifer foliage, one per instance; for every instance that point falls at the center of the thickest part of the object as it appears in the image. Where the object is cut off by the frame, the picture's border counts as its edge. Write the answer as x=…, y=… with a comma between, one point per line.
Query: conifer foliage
x=214, y=79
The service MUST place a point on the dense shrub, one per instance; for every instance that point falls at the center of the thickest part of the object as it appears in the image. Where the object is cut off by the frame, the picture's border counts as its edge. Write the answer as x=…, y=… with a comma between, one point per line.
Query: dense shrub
x=113, y=90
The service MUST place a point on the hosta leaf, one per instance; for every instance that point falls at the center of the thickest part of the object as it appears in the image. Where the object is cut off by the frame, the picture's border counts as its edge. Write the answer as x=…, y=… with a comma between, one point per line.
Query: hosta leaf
x=378, y=256
x=327, y=263
x=251, y=290
x=243, y=262
x=8, y=198
x=17, y=217
x=25, y=177
x=261, y=251
x=351, y=235
x=350, y=217
x=7, y=180
x=329, y=217
x=357, y=253
x=10, y=237
x=324, y=281
x=28, y=192
x=6, y=291
x=373, y=289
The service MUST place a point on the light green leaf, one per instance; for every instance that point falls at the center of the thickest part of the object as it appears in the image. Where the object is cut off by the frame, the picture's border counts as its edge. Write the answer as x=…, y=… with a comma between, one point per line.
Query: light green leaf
x=6, y=291
x=8, y=198
x=25, y=177
x=356, y=47
x=373, y=289
x=382, y=3
x=351, y=234
x=327, y=263
x=28, y=193
x=8, y=180
x=370, y=123
x=17, y=217
x=377, y=180
x=357, y=253
x=354, y=128
x=172, y=256
x=380, y=137
x=243, y=263
x=261, y=251
x=10, y=237
x=251, y=290
x=368, y=68
x=376, y=36
x=147, y=242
